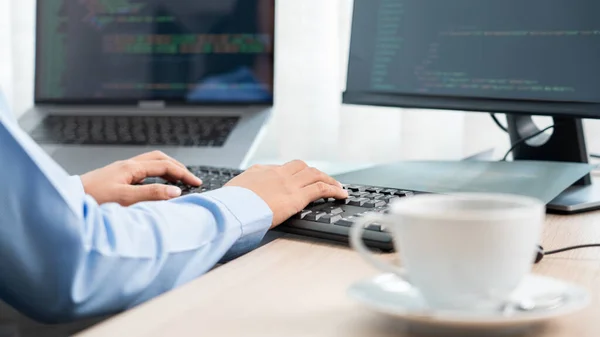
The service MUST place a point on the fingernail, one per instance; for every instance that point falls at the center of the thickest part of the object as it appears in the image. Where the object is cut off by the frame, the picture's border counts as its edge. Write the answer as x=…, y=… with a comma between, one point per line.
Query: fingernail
x=173, y=191
x=345, y=192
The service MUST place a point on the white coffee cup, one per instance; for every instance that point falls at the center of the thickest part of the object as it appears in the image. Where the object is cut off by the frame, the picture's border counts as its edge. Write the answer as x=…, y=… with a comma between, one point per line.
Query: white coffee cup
x=462, y=252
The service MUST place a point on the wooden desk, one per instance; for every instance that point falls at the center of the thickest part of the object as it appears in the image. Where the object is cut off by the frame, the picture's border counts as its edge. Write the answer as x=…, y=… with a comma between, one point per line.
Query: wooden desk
x=296, y=287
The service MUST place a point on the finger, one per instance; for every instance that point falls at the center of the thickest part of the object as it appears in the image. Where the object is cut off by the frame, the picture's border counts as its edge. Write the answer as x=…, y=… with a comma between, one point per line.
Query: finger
x=155, y=192
x=323, y=190
x=175, y=173
x=294, y=167
x=166, y=169
x=311, y=175
x=157, y=155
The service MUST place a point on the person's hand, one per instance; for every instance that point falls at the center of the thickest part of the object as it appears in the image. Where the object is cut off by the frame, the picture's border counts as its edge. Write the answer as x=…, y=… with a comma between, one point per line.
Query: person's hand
x=117, y=182
x=288, y=189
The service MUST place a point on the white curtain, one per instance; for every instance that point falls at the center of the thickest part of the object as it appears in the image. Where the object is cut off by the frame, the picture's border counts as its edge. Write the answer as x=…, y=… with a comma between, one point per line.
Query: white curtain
x=6, y=60
x=309, y=122
x=17, y=25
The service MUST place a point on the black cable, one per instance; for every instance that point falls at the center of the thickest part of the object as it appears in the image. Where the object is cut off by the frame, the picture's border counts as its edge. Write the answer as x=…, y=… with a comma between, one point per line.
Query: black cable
x=570, y=248
x=504, y=128
x=593, y=155
x=515, y=145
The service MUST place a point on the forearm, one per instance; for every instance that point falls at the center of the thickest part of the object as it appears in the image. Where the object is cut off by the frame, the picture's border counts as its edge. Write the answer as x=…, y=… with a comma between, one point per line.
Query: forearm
x=62, y=256
x=155, y=247
x=114, y=258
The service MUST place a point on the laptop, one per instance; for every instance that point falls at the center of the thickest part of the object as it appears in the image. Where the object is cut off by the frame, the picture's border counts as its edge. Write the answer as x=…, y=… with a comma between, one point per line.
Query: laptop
x=115, y=79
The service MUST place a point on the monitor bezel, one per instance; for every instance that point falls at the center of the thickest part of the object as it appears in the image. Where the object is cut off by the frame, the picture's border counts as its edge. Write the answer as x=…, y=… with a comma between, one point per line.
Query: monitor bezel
x=135, y=102
x=474, y=104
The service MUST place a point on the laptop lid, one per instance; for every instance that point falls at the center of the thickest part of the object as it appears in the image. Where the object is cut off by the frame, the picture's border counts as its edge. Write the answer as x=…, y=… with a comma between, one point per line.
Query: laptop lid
x=167, y=52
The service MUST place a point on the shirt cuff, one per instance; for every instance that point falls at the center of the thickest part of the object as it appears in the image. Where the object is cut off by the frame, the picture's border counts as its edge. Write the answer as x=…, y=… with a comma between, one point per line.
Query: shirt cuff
x=75, y=185
x=253, y=213
x=75, y=193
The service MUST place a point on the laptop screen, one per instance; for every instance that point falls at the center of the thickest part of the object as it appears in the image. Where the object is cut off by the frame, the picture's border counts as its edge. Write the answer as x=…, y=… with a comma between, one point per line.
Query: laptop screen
x=182, y=51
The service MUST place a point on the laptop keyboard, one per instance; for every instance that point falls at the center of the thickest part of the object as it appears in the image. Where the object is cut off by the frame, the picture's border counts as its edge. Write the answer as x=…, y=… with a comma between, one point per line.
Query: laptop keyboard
x=325, y=219
x=135, y=130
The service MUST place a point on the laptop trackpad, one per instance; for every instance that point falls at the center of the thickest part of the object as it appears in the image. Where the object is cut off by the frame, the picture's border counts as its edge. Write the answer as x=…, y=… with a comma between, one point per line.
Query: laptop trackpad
x=81, y=160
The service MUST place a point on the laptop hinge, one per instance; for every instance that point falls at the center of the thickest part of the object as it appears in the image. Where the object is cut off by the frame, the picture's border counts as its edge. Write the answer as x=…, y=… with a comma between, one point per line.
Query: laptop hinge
x=151, y=104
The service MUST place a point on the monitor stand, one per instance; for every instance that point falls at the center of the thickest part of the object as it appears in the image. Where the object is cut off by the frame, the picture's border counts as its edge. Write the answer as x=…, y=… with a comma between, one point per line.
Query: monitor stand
x=566, y=144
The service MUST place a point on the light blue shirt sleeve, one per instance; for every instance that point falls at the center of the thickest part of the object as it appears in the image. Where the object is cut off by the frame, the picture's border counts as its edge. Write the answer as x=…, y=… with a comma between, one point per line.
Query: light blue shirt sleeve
x=64, y=257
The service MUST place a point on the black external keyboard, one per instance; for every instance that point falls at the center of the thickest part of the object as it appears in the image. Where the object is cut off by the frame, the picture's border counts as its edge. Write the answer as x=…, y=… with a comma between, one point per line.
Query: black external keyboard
x=325, y=219
x=135, y=130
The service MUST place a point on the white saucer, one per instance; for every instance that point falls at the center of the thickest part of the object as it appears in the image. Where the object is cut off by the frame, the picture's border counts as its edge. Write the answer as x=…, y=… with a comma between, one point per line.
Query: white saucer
x=390, y=295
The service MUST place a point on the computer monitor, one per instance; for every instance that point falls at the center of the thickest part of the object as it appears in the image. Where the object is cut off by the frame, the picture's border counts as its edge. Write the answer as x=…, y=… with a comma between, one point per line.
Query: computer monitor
x=522, y=58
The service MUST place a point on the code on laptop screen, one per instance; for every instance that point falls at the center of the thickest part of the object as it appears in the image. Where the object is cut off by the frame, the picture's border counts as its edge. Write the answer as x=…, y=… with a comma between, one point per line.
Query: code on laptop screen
x=169, y=50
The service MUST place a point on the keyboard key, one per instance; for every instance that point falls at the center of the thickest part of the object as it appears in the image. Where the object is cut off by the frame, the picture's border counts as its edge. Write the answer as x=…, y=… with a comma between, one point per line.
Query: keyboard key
x=347, y=222
x=343, y=201
x=330, y=218
x=374, y=189
x=358, y=201
x=303, y=214
x=356, y=188
x=390, y=191
x=315, y=216
x=375, y=196
x=374, y=203
x=391, y=198
x=404, y=193
x=333, y=210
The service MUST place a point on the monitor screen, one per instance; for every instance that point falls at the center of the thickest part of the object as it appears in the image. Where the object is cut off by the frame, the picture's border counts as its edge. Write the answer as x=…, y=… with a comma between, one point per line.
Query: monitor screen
x=529, y=51
x=201, y=51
